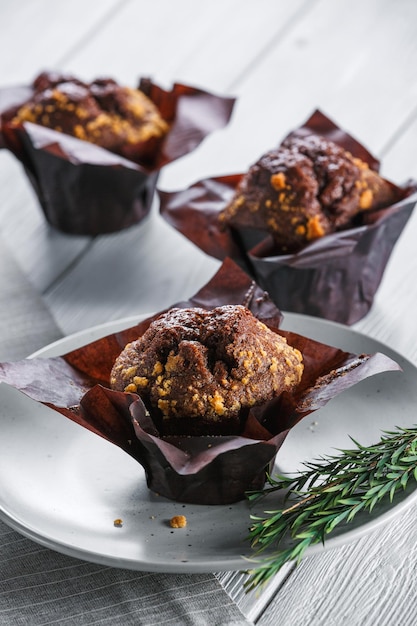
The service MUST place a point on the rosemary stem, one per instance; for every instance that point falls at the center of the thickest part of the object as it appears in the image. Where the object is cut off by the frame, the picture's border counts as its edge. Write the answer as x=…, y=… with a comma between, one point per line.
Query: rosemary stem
x=329, y=492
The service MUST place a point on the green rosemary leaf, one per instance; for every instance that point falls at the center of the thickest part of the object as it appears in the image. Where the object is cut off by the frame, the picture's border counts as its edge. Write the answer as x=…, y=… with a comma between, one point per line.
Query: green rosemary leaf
x=348, y=502
x=317, y=523
x=358, y=482
x=355, y=509
x=393, y=468
x=385, y=488
x=329, y=492
x=398, y=453
x=404, y=480
x=372, y=503
x=393, y=475
x=333, y=489
x=299, y=521
x=252, y=497
x=337, y=520
x=373, y=490
x=411, y=459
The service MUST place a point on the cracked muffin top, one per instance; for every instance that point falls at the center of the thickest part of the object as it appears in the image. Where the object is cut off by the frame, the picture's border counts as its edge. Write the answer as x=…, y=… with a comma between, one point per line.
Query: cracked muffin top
x=119, y=119
x=305, y=189
x=201, y=370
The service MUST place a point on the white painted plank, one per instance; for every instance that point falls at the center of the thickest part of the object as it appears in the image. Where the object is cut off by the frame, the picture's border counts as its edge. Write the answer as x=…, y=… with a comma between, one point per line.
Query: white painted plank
x=254, y=603
x=42, y=252
x=356, y=60
x=392, y=317
x=187, y=268
x=320, y=27
x=129, y=273
x=39, y=34
x=370, y=582
x=141, y=270
x=204, y=44
x=141, y=38
x=399, y=157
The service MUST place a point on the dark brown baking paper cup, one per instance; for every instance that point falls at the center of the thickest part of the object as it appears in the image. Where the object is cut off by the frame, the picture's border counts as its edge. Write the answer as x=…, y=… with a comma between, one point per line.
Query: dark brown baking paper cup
x=201, y=470
x=334, y=277
x=86, y=190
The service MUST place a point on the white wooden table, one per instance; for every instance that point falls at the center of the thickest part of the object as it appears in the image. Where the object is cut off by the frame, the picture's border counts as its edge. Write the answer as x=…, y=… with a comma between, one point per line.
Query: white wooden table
x=356, y=61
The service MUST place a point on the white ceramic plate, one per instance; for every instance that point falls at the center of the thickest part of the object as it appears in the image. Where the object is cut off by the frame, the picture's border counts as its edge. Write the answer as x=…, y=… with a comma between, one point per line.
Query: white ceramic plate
x=63, y=486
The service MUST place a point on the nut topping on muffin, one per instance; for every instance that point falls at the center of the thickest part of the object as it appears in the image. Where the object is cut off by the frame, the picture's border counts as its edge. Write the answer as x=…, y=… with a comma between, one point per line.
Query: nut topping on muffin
x=119, y=119
x=305, y=189
x=201, y=371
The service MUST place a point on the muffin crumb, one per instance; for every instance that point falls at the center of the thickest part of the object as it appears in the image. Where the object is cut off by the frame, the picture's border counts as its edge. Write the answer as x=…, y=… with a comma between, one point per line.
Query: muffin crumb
x=178, y=521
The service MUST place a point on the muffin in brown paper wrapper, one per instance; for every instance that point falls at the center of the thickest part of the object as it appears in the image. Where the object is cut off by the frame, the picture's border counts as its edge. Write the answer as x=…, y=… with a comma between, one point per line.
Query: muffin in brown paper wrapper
x=335, y=276
x=84, y=189
x=204, y=469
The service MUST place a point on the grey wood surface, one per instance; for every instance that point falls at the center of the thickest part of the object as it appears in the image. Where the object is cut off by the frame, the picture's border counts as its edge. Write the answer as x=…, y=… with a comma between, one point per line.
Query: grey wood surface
x=355, y=60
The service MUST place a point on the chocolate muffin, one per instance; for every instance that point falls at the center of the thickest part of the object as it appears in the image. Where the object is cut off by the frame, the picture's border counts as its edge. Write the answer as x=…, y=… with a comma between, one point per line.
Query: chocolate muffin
x=305, y=189
x=119, y=119
x=200, y=371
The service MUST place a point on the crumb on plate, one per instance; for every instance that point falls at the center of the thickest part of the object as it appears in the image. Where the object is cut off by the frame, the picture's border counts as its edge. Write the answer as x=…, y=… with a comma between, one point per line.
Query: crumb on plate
x=178, y=521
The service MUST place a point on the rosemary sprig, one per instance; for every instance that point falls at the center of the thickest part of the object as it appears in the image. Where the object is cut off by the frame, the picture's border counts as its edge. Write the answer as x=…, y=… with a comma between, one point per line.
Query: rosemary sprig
x=330, y=491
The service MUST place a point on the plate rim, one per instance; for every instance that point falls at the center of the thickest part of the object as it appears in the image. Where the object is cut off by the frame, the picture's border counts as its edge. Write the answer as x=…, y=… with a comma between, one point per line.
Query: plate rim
x=215, y=564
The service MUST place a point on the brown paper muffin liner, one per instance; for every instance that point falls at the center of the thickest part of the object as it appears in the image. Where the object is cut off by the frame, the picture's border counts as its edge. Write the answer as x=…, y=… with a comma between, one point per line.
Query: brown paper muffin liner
x=86, y=190
x=334, y=277
x=204, y=470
